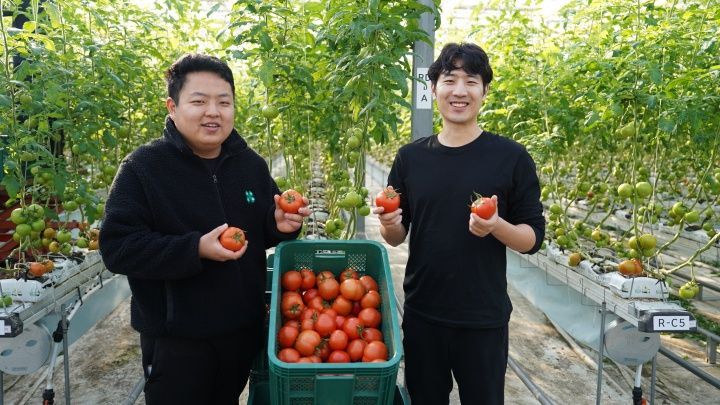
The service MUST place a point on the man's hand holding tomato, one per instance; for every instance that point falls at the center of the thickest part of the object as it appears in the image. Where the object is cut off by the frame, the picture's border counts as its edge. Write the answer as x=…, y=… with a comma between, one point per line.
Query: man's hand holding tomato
x=211, y=248
x=288, y=222
x=390, y=222
x=483, y=227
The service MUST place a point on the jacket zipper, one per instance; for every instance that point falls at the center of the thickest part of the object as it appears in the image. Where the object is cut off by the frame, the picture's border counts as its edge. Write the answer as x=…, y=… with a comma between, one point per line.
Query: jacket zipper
x=169, y=301
x=217, y=189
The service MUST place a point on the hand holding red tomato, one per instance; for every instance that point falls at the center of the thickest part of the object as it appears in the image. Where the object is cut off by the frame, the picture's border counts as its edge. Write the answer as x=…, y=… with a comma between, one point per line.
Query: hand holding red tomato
x=387, y=207
x=212, y=245
x=290, y=210
x=483, y=216
x=484, y=207
x=389, y=199
x=291, y=201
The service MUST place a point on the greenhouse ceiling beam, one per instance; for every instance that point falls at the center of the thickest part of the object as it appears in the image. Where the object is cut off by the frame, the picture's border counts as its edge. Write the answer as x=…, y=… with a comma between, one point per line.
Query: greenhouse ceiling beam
x=422, y=108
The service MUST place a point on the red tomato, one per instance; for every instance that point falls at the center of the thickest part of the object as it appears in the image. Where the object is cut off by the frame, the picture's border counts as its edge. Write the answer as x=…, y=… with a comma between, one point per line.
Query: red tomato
x=352, y=289
x=289, y=355
x=291, y=305
x=347, y=274
x=353, y=327
x=317, y=303
x=330, y=312
x=371, y=334
x=306, y=342
x=294, y=323
x=338, y=340
x=307, y=324
x=287, y=335
x=323, y=350
x=291, y=280
x=370, y=317
x=356, y=348
x=483, y=207
x=371, y=299
x=339, y=321
x=325, y=325
x=291, y=201
x=309, y=313
x=369, y=283
x=338, y=356
x=375, y=350
x=305, y=360
x=356, y=308
x=324, y=275
x=388, y=199
x=342, y=305
x=232, y=238
x=309, y=295
x=308, y=279
x=328, y=289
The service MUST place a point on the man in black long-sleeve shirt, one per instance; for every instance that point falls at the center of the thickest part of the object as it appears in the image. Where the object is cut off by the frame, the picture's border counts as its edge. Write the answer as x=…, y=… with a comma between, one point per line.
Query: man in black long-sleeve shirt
x=456, y=304
x=198, y=306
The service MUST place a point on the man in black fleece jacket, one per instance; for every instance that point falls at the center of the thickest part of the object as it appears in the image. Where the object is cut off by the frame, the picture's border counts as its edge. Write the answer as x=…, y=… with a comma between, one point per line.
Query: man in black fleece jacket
x=199, y=307
x=456, y=303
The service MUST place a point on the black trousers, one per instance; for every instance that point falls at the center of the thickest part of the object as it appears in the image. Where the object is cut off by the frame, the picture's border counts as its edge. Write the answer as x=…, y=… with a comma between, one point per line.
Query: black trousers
x=477, y=358
x=198, y=371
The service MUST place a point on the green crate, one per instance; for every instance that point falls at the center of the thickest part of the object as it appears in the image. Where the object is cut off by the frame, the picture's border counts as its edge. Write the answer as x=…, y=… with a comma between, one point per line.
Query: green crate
x=332, y=383
x=259, y=393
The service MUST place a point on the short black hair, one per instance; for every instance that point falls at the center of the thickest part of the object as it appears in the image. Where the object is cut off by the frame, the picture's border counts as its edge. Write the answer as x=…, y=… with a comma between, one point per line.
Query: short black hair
x=474, y=61
x=195, y=62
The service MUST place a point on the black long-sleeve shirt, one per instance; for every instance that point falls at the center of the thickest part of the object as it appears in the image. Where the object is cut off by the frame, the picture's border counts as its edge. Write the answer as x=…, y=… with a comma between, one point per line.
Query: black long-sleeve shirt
x=162, y=201
x=452, y=276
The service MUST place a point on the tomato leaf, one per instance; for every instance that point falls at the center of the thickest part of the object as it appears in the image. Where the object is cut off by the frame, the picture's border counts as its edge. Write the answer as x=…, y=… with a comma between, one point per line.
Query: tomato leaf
x=265, y=41
x=265, y=73
x=11, y=185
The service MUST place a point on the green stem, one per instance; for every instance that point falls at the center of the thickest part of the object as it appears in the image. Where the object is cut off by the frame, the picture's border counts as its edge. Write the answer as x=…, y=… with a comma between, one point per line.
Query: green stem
x=690, y=259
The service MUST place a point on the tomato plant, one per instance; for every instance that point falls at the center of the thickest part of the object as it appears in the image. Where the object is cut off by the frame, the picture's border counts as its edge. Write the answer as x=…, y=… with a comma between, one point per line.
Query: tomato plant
x=232, y=238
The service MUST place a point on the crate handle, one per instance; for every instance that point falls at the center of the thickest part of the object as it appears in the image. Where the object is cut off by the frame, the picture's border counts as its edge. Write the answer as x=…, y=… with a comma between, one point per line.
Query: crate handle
x=330, y=254
x=334, y=389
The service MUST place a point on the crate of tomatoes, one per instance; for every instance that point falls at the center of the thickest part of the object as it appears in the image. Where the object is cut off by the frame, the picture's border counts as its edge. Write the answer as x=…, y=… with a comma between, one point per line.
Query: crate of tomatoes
x=334, y=336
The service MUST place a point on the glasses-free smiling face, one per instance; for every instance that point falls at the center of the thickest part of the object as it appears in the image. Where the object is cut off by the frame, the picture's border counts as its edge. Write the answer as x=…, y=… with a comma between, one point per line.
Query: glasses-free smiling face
x=459, y=96
x=204, y=113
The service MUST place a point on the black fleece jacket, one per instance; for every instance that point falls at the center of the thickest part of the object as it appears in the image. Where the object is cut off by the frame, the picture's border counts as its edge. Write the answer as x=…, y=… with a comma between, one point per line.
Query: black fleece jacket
x=163, y=199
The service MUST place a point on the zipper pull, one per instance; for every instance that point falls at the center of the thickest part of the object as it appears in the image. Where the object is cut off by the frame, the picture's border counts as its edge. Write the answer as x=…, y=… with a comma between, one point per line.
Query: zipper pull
x=214, y=179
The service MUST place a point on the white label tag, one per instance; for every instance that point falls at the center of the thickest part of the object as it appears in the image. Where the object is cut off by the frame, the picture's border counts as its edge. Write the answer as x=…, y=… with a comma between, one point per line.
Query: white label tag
x=671, y=322
x=423, y=94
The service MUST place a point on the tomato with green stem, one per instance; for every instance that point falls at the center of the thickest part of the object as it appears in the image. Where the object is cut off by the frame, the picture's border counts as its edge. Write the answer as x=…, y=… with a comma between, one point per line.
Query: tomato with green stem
x=233, y=238
x=389, y=199
x=484, y=207
x=291, y=201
